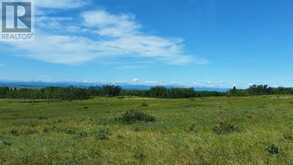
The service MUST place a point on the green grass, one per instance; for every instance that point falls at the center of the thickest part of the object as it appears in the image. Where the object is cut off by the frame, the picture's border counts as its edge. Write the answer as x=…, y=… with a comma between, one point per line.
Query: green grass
x=215, y=130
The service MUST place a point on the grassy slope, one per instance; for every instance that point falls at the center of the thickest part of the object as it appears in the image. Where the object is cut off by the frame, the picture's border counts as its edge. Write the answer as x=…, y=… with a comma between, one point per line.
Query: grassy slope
x=65, y=132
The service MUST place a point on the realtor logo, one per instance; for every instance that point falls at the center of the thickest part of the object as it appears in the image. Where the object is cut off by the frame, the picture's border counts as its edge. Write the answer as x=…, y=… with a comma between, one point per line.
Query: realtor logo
x=16, y=17
x=16, y=20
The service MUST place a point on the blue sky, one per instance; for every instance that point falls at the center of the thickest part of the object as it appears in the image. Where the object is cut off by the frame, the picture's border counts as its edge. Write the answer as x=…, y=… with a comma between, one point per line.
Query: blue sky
x=191, y=42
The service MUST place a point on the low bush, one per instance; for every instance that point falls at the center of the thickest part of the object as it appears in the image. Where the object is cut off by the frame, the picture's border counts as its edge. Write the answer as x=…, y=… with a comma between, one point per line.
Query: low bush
x=5, y=142
x=136, y=116
x=46, y=130
x=192, y=128
x=273, y=149
x=139, y=156
x=23, y=131
x=225, y=128
x=103, y=134
x=144, y=104
x=83, y=134
x=288, y=136
x=69, y=131
x=43, y=118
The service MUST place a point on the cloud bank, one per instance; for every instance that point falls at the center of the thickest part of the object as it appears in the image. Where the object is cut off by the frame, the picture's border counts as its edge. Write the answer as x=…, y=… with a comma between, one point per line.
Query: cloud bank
x=97, y=34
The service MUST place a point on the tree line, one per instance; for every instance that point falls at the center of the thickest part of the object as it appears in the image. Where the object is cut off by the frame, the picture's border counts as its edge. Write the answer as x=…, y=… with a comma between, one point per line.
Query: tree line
x=256, y=90
x=69, y=93
x=75, y=93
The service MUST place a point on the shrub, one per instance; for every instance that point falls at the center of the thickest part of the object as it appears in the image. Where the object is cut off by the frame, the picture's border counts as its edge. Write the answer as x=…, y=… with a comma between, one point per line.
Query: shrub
x=225, y=128
x=192, y=128
x=69, y=131
x=14, y=132
x=139, y=156
x=5, y=142
x=144, y=104
x=136, y=116
x=120, y=136
x=273, y=149
x=83, y=134
x=103, y=134
x=288, y=136
x=43, y=118
x=46, y=130
x=23, y=131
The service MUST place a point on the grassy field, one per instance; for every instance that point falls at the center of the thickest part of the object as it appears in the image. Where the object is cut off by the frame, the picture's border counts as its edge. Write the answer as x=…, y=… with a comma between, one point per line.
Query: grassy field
x=215, y=130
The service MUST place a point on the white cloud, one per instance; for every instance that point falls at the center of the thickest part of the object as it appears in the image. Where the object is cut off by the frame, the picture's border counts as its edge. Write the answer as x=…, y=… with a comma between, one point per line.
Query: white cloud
x=54, y=24
x=136, y=81
x=213, y=84
x=55, y=4
x=98, y=34
x=111, y=25
x=59, y=4
x=60, y=49
x=126, y=37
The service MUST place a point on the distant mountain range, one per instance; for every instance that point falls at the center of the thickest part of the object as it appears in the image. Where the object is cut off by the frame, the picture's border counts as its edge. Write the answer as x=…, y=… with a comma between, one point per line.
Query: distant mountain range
x=134, y=86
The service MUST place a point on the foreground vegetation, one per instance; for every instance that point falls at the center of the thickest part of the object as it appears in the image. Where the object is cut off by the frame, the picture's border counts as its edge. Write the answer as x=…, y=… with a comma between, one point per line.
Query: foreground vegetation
x=131, y=130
